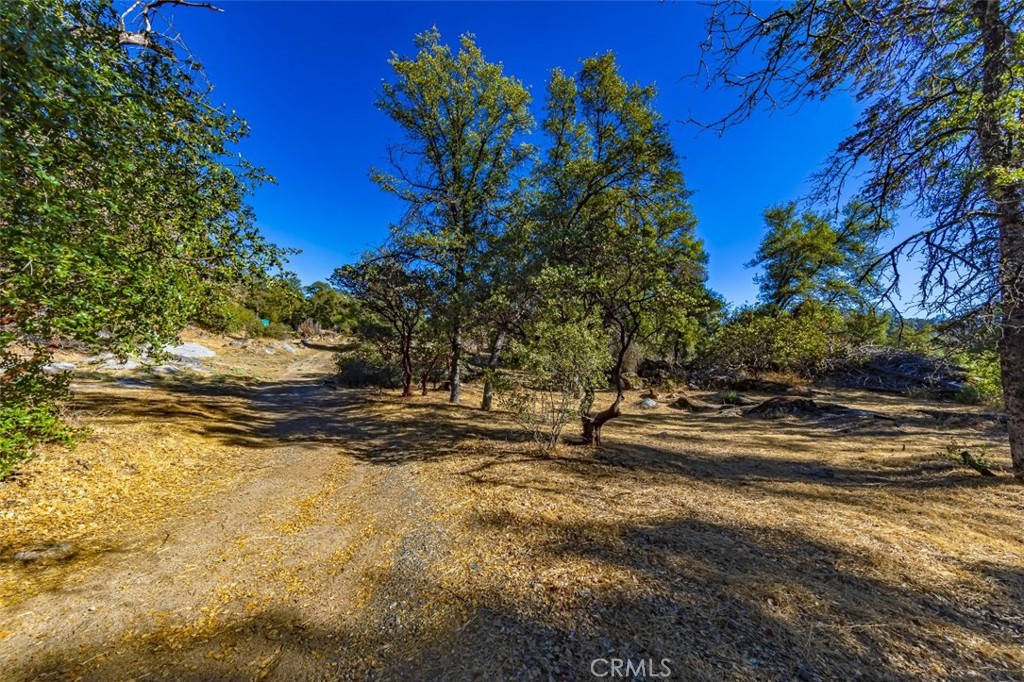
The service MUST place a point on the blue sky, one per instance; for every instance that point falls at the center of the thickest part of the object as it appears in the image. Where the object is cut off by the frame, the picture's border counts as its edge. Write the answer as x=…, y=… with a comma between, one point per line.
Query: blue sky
x=305, y=76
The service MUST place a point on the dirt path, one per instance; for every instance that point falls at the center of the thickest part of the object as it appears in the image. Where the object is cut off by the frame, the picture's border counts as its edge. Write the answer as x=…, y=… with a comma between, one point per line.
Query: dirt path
x=275, y=529
x=286, y=554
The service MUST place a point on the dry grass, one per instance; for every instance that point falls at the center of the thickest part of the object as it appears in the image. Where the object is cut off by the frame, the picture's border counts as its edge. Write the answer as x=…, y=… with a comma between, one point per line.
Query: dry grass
x=390, y=539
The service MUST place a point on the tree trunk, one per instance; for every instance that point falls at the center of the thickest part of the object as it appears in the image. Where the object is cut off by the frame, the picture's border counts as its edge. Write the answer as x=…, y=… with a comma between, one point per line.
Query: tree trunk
x=492, y=364
x=1007, y=199
x=592, y=423
x=423, y=383
x=454, y=374
x=407, y=366
x=1011, y=343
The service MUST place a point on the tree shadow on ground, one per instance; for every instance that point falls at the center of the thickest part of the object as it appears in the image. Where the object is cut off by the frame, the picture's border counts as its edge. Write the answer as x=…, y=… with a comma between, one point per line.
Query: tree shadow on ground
x=361, y=423
x=387, y=430
x=719, y=602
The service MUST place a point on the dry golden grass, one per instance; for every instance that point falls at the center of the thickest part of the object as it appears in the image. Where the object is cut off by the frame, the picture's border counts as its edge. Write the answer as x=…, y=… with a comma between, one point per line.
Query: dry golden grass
x=345, y=535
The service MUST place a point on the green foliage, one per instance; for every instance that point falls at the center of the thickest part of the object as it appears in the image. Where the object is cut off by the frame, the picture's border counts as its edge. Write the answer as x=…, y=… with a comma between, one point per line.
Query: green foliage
x=758, y=340
x=228, y=316
x=391, y=297
x=462, y=117
x=916, y=336
x=867, y=326
x=278, y=299
x=730, y=397
x=985, y=382
x=278, y=330
x=328, y=308
x=122, y=200
x=118, y=184
x=961, y=453
x=614, y=224
x=806, y=257
x=30, y=406
x=560, y=365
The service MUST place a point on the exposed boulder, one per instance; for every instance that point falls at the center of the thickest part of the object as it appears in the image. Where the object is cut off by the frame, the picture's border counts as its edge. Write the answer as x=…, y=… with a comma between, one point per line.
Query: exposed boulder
x=789, y=406
x=656, y=372
x=96, y=359
x=120, y=364
x=647, y=404
x=48, y=553
x=692, y=405
x=189, y=351
x=58, y=367
x=125, y=382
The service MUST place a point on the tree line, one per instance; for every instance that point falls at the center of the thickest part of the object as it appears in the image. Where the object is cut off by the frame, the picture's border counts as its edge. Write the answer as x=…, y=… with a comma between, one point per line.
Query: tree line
x=124, y=212
x=559, y=263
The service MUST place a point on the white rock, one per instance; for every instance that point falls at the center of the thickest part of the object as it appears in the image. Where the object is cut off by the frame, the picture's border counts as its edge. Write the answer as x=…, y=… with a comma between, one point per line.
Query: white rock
x=58, y=367
x=288, y=348
x=116, y=364
x=165, y=369
x=648, y=404
x=269, y=351
x=189, y=350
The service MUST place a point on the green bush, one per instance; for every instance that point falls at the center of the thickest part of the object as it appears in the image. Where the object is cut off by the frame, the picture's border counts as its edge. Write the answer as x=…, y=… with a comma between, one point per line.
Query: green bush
x=985, y=382
x=277, y=330
x=560, y=367
x=757, y=340
x=30, y=407
x=364, y=368
x=230, y=317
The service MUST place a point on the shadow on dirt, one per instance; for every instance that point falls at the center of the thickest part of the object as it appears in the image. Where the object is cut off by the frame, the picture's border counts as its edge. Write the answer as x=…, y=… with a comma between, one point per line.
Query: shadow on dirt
x=387, y=430
x=716, y=601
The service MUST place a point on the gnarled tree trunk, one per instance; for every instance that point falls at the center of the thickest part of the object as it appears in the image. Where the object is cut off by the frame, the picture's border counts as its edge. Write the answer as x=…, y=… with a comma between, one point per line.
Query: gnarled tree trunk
x=592, y=423
x=407, y=365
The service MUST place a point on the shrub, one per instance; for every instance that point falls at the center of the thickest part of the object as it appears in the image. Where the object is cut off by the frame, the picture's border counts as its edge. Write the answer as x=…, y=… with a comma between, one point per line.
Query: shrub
x=985, y=382
x=759, y=340
x=277, y=330
x=30, y=408
x=309, y=328
x=229, y=317
x=364, y=368
x=562, y=364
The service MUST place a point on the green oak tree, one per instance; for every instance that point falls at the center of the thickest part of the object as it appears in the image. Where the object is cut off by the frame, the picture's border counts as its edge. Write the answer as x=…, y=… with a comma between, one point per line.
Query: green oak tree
x=392, y=295
x=462, y=120
x=614, y=222
x=941, y=89
x=327, y=307
x=122, y=200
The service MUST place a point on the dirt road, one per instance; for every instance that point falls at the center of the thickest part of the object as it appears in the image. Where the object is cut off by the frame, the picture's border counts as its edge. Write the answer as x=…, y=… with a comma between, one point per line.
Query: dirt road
x=338, y=535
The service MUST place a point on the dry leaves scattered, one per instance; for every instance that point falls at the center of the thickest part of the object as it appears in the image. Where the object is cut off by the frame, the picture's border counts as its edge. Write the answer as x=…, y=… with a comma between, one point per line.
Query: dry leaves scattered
x=359, y=536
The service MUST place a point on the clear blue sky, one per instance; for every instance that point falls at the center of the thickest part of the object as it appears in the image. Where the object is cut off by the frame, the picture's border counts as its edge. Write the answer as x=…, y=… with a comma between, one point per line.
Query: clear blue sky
x=305, y=75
